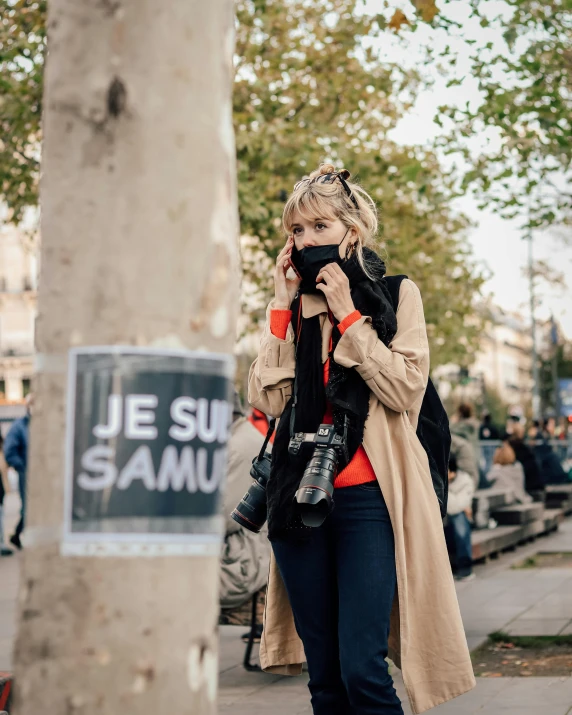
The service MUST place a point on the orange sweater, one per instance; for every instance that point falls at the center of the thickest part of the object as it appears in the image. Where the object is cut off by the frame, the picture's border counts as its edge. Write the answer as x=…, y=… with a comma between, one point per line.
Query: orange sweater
x=359, y=470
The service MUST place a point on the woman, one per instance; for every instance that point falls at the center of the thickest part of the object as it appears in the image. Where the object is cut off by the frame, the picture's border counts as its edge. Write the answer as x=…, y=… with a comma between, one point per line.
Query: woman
x=374, y=579
x=508, y=473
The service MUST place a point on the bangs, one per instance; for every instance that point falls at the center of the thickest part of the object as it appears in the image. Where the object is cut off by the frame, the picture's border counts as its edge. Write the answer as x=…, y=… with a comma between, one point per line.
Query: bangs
x=310, y=206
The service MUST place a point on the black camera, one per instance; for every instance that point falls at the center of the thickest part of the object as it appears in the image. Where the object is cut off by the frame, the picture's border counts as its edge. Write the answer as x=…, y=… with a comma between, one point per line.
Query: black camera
x=252, y=511
x=316, y=489
x=314, y=495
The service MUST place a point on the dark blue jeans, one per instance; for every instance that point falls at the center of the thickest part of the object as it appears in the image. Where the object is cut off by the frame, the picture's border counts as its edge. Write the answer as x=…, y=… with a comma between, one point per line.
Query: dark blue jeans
x=341, y=584
x=458, y=538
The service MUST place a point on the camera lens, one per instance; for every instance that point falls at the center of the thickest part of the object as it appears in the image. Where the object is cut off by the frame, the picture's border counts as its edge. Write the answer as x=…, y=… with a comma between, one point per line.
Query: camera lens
x=314, y=495
x=251, y=512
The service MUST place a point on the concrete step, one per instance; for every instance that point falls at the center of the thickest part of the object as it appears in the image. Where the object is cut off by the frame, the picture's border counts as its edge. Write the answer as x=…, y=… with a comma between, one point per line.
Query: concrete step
x=538, y=495
x=518, y=513
x=559, y=489
x=490, y=541
x=564, y=504
x=495, y=498
x=487, y=542
x=486, y=500
x=559, y=496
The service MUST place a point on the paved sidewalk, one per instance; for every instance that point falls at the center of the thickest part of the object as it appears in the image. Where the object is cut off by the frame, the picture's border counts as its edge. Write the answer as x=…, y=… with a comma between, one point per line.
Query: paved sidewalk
x=499, y=598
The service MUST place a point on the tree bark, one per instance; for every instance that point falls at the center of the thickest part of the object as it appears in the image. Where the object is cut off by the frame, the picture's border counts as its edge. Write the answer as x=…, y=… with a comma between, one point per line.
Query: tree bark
x=139, y=247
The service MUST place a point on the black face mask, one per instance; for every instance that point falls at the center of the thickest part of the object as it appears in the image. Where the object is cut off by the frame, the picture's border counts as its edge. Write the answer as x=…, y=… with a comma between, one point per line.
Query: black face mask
x=309, y=262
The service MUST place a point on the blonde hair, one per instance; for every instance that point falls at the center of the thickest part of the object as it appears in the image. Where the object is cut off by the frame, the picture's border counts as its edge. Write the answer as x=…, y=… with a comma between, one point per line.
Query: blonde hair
x=504, y=455
x=330, y=201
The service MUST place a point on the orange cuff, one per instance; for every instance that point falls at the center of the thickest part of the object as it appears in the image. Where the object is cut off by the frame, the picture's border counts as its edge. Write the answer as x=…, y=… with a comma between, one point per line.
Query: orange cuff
x=348, y=320
x=279, y=322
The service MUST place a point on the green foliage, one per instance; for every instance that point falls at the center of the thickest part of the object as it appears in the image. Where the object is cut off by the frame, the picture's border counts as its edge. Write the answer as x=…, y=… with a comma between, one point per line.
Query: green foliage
x=309, y=87
x=308, y=90
x=494, y=404
x=527, y=99
x=22, y=46
x=529, y=641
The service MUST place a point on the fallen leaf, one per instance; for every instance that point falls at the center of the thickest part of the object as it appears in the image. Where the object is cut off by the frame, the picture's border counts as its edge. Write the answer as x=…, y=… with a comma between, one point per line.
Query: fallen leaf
x=399, y=18
x=426, y=8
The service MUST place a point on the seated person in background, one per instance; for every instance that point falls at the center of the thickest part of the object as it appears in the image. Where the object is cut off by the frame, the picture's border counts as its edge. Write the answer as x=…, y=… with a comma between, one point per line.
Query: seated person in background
x=458, y=525
x=532, y=478
x=245, y=559
x=508, y=473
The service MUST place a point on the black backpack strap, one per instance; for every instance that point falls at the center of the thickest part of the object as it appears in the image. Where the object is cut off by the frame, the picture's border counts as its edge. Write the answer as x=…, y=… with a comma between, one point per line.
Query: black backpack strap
x=393, y=284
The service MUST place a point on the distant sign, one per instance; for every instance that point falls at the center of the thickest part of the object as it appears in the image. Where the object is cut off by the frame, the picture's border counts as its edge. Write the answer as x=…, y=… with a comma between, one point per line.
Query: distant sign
x=565, y=397
x=146, y=451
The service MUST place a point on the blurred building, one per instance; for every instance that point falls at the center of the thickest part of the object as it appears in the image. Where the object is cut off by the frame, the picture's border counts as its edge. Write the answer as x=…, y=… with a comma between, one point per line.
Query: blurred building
x=503, y=364
x=18, y=300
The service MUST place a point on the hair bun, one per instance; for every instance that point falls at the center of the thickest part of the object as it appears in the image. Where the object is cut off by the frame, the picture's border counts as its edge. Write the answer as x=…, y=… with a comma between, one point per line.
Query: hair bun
x=323, y=169
x=327, y=169
x=330, y=169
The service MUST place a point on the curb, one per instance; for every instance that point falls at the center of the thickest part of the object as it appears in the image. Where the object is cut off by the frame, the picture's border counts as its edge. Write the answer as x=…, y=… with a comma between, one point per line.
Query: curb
x=5, y=690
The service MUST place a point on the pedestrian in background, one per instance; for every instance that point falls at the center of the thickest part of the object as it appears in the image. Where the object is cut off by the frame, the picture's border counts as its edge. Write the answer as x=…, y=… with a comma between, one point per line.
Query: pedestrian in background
x=549, y=464
x=488, y=432
x=466, y=426
x=487, y=429
x=16, y=455
x=533, y=481
x=466, y=457
x=458, y=526
x=4, y=550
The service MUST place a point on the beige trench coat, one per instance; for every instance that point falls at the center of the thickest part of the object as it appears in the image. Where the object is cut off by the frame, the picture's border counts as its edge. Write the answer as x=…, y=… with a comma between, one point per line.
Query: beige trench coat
x=426, y=639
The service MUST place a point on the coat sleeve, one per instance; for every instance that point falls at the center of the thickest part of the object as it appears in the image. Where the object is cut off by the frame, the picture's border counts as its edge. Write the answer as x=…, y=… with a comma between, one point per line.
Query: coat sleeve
x=272, y=373
x=14, y=448
x=397, y=375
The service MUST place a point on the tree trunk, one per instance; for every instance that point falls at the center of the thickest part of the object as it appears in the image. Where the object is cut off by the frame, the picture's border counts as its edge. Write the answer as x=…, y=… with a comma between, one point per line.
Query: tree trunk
x=139, y=247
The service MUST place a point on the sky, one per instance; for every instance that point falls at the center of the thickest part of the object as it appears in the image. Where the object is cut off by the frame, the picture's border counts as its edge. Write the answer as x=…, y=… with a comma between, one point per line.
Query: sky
x=497, y=243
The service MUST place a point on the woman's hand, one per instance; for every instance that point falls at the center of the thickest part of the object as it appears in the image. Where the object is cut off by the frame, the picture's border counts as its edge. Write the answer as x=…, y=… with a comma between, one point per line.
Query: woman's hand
x=334, y=284
x=285, y=288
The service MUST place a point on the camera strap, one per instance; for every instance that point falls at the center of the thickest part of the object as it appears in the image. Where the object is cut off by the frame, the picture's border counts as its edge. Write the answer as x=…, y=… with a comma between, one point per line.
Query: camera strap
x=294, y=401
x=295, y=386
x=271, y=426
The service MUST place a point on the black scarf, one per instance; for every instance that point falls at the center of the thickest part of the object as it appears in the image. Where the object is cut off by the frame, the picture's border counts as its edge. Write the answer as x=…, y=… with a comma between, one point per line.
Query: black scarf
x=346, y=391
